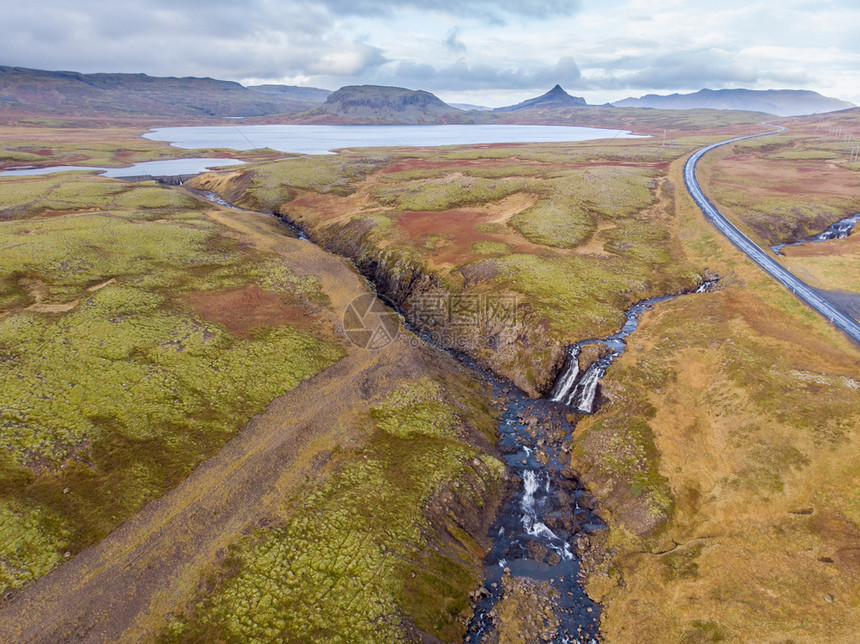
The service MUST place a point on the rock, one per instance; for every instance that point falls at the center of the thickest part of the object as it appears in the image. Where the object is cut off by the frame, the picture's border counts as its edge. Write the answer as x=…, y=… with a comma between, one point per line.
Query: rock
x=568, y=473
x=538, y=551
x=828, y=598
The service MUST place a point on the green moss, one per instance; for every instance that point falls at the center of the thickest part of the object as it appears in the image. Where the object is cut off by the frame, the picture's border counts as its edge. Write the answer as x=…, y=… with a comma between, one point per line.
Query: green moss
x=491, y=248
x=22, y=199
x=594, y=291
x=445, y=193
x=703, y=632
x=33, y=539
x=642, y=241
x=274, y=183
x=414, y=408
x=632, y=456
x=556, y=220
x=120, y=396
x=566, y=213
x=681, y=563
x=358, y=555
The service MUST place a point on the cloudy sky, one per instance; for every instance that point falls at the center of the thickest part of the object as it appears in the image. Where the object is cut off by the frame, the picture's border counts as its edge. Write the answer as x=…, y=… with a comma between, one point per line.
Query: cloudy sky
x=474, y=51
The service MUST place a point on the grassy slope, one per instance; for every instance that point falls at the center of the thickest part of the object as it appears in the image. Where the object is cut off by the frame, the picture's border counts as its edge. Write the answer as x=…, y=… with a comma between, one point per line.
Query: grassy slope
x=576, y=232
x=727, y=461
x=113, y=387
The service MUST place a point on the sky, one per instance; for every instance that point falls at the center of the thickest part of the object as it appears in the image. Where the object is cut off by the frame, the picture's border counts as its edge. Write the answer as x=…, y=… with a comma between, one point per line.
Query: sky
x=466, y=51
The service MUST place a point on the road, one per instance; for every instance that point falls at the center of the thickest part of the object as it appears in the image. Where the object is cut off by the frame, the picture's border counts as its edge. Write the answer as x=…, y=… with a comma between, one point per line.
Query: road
x=801, y=289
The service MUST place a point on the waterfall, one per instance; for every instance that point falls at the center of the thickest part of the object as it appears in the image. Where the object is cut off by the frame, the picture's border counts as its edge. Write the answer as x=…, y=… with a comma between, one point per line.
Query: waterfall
x=575, y=388
x=586, y=390
x=535, y=527
x=564, y=385
x=530, y=485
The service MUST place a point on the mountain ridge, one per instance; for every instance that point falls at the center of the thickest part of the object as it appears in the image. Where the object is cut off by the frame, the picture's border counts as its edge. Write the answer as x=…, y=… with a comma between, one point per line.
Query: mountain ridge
x=780, y=102
x=120, y=94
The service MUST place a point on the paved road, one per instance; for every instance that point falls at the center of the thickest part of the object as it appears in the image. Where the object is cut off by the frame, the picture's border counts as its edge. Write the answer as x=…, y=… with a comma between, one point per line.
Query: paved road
x=801, y=289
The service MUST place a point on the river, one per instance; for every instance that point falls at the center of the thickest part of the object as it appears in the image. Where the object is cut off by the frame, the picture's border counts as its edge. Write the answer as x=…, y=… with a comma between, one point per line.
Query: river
x=545, y=525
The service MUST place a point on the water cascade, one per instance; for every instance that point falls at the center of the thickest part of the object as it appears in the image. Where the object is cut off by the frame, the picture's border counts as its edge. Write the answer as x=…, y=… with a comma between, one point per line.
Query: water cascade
x=578, y=388
x=840, y=230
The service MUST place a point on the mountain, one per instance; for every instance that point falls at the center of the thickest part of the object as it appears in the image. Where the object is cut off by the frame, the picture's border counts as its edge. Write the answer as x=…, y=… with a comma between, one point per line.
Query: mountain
x=782, y=102
x=376, y=104
x=122, y=95
x=293, y=92
x=554, y=98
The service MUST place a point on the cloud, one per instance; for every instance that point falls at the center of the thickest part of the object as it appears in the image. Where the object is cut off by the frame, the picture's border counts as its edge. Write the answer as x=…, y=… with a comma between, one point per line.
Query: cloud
x=714, y=68
x=461, y=76
x=494, y=11
x=711, y=67
x=347, y=61
x=453, y=43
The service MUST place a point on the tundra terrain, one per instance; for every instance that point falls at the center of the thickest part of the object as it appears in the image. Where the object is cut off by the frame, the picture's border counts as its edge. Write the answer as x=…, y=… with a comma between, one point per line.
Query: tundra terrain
x=195, y=451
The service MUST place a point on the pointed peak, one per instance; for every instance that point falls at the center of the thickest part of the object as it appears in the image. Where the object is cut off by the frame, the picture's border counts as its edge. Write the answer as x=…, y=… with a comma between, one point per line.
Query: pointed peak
x=556, y=97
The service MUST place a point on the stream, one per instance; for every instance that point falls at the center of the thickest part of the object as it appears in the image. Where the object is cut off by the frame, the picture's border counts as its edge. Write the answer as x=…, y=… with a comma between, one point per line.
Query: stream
x=840, y=230
x=545, y=526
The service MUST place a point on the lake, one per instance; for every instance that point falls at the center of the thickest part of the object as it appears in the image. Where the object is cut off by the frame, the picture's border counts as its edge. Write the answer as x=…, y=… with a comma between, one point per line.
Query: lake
x=322, y=139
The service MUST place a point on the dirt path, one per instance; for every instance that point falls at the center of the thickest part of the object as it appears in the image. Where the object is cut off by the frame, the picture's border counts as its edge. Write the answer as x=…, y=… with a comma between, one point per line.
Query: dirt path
x=124, y=588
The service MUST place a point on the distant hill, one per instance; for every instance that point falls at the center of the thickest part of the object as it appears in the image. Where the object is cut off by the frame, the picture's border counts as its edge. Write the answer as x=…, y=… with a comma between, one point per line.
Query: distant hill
x=123, y=95
x=782, y=102
x=554, y=98
x=293, y=92
x=377, y=104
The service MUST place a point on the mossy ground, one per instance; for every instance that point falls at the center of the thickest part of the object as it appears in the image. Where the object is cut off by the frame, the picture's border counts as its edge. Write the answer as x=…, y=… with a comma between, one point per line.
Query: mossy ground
x=358, y=560
x=113, y=389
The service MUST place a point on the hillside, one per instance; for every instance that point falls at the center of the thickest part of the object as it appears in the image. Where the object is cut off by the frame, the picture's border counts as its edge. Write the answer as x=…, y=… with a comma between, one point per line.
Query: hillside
x=782, y=102
x=554, y=98
x=123, y=95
